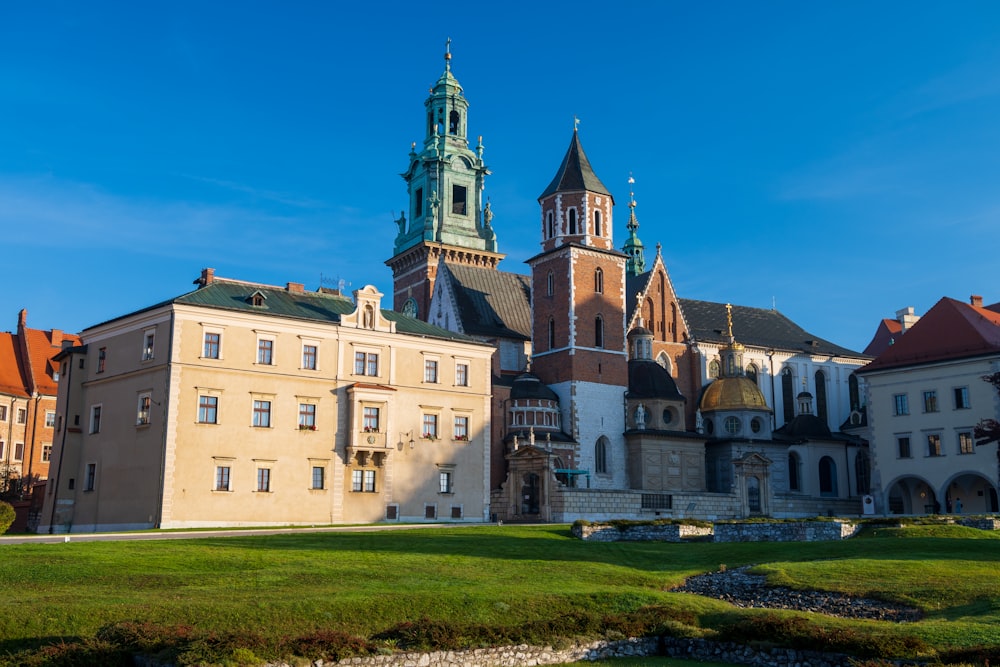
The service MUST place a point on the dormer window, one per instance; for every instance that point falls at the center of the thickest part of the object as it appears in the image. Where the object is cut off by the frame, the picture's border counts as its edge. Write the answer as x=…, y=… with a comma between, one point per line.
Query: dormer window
x=257, y=299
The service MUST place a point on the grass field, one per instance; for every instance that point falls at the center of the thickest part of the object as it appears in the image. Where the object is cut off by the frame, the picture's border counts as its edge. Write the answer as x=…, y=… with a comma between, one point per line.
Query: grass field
x=366, y=583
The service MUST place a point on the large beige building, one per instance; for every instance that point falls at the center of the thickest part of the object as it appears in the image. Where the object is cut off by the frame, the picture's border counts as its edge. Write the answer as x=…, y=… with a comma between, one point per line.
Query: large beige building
x=242, y=404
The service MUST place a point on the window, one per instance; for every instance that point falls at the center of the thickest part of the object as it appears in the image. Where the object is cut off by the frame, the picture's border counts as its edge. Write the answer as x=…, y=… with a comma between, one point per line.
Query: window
x=2, y=450
x=462, y=375
x=461, y=427
x=549, y=227
x=90, y=481
x=265, y=351
x=370, y=419
x=222, y=478
x=444, y=482
x=46, y=453
x=309, y=357
x=827, y=477
x=363, y=481
x=901, y=404
x=365, y=363
x=264, y=480
x=732, y=425
x=356, y=481
x=458, y=197
x=212, y=345
x=599, y=281
x=714, y=369
x=930, y=401
x=430, y=370
x=19, y=451
x=50, y=419
x=903, y=446
x=552, y=334
x=22, y=416
x=430, y=426
x=752, y=372
x=418, y=203
x=369, y=481
x=821, y=410
x=933, y=444
x=262, y=414
x=597, y=223
x=208, y=409
x=307, y=416
x=788, y=394
x=962, y=398
x=965, y=445
x=550, y=284
x=794, y=472
x=601, y=456
x=142, y=410
x=3, y=413
x=95, y=419
x=318, y=477
x=598, y=331
x=102, y=357
x=572, y=221
x=147, y=345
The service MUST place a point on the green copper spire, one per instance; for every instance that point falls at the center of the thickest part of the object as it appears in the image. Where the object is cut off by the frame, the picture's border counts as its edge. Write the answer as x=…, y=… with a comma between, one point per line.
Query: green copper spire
x=636, y=262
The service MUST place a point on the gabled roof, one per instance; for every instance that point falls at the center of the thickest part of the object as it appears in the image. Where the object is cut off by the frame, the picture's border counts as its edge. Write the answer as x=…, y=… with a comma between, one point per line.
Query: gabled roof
x=756, y=327
x=950, y=330
x=491, y=303
x=42, y=346
x=11, y=382
x=575, y=173
x=886, y=334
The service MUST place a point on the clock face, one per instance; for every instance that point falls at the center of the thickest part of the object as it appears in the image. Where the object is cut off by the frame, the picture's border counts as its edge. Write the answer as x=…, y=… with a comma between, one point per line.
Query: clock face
x=410, y=308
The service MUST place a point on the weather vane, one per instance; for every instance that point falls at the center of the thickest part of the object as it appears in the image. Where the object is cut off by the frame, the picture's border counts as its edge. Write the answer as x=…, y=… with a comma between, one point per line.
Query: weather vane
x=576, y=123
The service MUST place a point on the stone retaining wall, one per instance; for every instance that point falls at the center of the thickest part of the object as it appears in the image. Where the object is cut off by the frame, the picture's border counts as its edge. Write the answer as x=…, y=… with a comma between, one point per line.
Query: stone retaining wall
x=982, y=523
x=655, y=532
x=797, y=531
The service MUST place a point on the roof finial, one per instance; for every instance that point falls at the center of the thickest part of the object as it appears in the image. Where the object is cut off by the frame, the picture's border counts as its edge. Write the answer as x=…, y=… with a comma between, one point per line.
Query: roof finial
x=729, y=319
x=576, y=123
x=447, y=55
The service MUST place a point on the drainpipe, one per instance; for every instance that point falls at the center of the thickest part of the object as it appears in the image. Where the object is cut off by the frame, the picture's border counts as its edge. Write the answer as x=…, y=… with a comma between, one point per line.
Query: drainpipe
x=10, y=443
x=165, y=399
x=34, y=436
x=62, y=445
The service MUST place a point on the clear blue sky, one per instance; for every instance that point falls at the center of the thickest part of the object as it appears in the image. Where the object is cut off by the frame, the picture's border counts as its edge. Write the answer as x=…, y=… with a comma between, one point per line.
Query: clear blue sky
x=839, y=159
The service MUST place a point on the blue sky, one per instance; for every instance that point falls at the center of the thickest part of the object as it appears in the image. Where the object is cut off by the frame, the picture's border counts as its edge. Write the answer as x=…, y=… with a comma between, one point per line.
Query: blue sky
x=840, y=160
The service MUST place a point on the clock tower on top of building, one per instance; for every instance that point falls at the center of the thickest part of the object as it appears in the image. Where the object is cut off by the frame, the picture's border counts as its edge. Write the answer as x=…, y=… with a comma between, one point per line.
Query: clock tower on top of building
x=447, y=216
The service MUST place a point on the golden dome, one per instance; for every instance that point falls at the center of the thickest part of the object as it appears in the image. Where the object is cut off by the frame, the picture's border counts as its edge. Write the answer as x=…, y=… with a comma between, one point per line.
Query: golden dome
x=733, y=393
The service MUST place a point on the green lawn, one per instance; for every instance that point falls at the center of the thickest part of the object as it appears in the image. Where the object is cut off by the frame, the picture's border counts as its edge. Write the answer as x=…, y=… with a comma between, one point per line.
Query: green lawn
x=366, y=583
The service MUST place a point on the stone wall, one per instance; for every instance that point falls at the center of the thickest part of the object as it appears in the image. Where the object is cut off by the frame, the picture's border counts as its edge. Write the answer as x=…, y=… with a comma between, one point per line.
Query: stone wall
x=651, y=532
x=797, y=531
x=982, y=523
x=796, y=506
x=569, y=504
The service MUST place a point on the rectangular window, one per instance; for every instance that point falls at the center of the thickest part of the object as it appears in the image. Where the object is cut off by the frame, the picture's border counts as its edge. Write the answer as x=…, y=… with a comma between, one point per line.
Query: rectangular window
x=265, y=351
x=430, y=511
x=371, y=419
x=46, y=453
x=213, y=344
x=359, y=363
x=444, y=481
x=369, y=481
x=903, y=445
x=309, y=355
x=462, y=375
x=95, y=419
x=307, y=416
x=461, y=427
x=372, y=364
x=933, y=444
x=318, y=477
x=19, y=451
x=418, y=203
x=2, y=449
x=22, y=416
x=930, y=401
x=962, y=398
x=965, y=443
x=262, y=414
x=365, y=363
x=459, y=194
x=147, y=345
x=208, y=409
x=90, y=481
x=430, y=370
x=264, y=480
x=221, y=478
x=50, y=419
x=430, y=426
x=102, y=357
x=356, y=481
x=3, y=413
x=902, y=405
x=142, y=410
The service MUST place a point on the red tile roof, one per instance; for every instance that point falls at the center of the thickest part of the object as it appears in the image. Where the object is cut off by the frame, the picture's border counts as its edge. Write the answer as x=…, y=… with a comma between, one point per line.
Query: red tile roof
x=42, y=346
x=11, y=382
x=886, y=334
x=951, y=329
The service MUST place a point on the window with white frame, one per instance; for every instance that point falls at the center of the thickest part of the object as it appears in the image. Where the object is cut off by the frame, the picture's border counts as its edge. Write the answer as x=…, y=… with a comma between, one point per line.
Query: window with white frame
x=366, y=363
x=430, y=426
x=264, y=480
x=307, y=416
x=430, y=370
x=3, y=413
x=310, y=356
x=930, y=401
x=445, y=482
x=903, y=446
x=212, y=345
x=962, y=398
x=934, y=444
x=50, y=419
x=965, y=442
x=901, y=405
x=363, y=481
x=22, y=415
x=222, y=478
x=208, y=409
x=102, y=358
x=148, y=343
x=19, y=451
x=461, y=427
x=369, y=481
x=261, y=413
x=461, y=374
x=265, y=351
x=95, y=419
x=370, y=419
x=46, y=453
x=318, y=477
x=550, y=284
x=142, y=409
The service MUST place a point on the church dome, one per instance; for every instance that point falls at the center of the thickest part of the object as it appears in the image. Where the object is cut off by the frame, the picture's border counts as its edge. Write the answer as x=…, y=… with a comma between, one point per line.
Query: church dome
x=528, y=385
x=648, y=379
x=732, y=393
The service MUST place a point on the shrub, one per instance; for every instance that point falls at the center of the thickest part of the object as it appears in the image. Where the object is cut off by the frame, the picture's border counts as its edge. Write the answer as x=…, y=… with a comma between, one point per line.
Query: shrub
x=81, y=653
x=971, y=655
x=328, y=646
x=6, y=516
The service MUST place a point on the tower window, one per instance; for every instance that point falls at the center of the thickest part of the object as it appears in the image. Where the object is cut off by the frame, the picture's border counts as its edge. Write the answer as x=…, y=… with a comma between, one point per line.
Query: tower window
x=598, y=331
x=458, y=199
x=550, y=227
x=418, y=205
x=551, y=284
x=597, y=223
x=552, y=334
x=599, y=281
x=572, y=221
x=453, y=121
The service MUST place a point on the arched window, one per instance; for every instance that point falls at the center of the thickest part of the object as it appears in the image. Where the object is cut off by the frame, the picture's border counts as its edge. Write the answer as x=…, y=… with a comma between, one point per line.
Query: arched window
x=752, y=372
x=753, y=494
x=453, y=121
x=550, y=284
x=598, y=331
x=787, y=394
x=599, y=281
x=597, y=223
x=601, y=456
x=855, y=394
x=552, y=334
x=572, y=221
x=549, y=225
x=827, y=477
x=713, y=369
x=663, y=360
x=794, y=472
x=821, y=395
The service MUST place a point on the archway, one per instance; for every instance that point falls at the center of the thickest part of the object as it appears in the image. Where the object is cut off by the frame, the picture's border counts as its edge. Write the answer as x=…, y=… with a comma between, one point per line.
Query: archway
x=970, y=493
x=911, y=495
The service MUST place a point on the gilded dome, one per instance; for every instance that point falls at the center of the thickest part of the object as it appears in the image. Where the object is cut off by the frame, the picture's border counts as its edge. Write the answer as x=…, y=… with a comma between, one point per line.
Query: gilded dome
x=732, y=393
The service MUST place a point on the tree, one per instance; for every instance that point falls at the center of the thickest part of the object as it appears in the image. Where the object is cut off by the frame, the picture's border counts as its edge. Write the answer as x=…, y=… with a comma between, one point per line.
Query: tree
x=988, y=430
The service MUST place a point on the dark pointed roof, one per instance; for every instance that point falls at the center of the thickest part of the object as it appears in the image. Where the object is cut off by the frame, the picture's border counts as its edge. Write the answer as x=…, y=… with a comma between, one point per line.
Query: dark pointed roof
x=805, y=426
x=528, y=385
x=647, y=379
x=575, y=173
x=951, y=329
x=491, y=303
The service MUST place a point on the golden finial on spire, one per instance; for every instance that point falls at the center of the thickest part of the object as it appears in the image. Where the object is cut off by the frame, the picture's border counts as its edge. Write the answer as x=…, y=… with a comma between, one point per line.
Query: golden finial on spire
x=729, y=319
x=631, y=193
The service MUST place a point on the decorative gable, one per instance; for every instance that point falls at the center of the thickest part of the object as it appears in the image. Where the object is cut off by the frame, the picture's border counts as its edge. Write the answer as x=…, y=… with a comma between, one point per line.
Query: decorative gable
x=368, y=312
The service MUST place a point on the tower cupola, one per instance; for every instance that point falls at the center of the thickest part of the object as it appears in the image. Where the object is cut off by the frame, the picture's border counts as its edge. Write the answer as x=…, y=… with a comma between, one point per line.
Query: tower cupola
x=636, y=262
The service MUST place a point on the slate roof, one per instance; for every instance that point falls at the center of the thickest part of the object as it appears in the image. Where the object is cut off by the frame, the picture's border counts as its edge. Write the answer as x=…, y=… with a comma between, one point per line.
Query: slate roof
x=634, y=285
x=950, y=330
x=757, y=327
x=491, y=303
x=575, y=173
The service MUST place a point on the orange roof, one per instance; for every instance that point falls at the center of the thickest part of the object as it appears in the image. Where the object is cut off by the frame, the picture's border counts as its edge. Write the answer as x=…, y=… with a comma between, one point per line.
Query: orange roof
x=886, y=334
x=11, y=382
x=42, y=346
x=951, y=329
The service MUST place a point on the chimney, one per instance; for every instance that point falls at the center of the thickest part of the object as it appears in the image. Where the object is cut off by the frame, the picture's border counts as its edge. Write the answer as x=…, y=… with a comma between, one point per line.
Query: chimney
x=22, y=319
x=906, y=318
x=976, y=300
x=207, y=277
x=57, y=338
x=295, y=288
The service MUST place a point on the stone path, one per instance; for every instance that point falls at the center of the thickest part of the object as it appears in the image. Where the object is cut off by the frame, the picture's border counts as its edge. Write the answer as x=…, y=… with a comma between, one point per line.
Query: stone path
x=742, y=589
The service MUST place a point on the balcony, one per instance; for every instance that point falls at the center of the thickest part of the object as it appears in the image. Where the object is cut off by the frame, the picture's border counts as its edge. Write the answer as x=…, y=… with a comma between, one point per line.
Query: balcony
x=367, y=441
